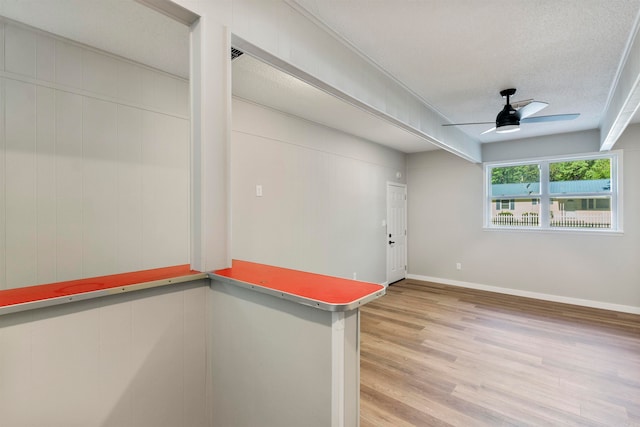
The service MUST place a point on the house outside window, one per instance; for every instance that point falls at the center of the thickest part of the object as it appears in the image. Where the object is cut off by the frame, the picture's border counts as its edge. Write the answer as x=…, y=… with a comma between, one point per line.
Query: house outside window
x=565, y=193
x=505, y=204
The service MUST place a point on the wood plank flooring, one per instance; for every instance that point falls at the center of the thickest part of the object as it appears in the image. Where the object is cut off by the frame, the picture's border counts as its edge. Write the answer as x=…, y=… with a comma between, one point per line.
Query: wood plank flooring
x=435, y=355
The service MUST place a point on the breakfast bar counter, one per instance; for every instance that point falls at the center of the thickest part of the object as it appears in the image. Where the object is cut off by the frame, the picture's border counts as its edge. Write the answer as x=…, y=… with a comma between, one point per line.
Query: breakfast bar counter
x=285, y=346
x=316, y=290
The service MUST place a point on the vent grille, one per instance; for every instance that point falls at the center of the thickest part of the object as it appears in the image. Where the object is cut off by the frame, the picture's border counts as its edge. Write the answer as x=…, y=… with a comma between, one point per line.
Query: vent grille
x=235, y=53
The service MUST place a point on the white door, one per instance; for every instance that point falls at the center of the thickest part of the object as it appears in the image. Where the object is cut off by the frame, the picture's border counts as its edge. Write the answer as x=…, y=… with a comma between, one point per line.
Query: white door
x=396, y=232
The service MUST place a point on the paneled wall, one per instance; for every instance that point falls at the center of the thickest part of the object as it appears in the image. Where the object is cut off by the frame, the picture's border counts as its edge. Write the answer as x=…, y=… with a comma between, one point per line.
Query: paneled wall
x=130, y=360
x=323, y=195
x=95, y=162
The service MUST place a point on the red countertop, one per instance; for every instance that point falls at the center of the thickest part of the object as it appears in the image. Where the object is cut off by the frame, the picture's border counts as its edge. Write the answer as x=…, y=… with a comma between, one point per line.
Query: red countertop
x=332, y=291
x=16, y=296
x=326, y=292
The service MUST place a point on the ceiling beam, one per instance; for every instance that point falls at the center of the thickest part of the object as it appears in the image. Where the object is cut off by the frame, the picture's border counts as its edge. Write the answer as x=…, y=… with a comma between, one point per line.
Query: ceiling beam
x=624, y=98
x=287, y=68
x=172, y=10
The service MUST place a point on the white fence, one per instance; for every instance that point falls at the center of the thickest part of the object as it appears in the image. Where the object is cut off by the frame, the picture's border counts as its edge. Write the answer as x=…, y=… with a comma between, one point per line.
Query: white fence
x=581, y=219
x=576, y=219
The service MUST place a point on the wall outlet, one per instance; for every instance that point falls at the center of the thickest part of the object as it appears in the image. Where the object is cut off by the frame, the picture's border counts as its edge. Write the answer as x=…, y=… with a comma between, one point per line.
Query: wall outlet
x=258, y=190
x=458, y=266
x=355, y=276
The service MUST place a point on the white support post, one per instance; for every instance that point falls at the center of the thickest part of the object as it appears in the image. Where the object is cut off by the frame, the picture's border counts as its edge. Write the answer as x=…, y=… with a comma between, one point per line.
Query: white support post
x=337, y=369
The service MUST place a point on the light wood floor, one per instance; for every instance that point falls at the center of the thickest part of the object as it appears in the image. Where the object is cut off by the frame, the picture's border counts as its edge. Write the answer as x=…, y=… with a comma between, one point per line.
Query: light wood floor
x=434, y=355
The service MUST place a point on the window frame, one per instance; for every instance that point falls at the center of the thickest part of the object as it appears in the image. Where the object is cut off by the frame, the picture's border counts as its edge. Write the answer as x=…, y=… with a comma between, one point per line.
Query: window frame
x=615, y=195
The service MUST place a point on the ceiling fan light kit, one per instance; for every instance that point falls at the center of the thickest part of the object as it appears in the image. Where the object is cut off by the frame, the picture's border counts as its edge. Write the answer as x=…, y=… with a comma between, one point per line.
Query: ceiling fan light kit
x=507, y=128
x=509, y=118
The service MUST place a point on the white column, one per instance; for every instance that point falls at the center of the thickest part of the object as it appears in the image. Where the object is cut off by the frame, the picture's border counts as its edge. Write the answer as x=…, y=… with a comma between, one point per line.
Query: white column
x=210, y=133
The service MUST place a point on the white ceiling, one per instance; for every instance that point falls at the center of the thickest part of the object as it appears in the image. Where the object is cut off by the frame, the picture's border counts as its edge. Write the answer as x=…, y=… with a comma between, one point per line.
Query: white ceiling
x=456, y=55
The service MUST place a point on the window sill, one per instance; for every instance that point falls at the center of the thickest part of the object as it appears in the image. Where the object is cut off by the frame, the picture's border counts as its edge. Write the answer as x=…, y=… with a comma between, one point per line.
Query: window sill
x=588, y=232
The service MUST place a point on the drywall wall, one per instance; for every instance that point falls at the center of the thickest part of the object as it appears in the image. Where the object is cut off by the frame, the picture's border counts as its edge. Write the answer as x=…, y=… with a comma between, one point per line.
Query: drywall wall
x=95, y=151
x=323, y=195
x=135, y=359
x=552, y=145
x=445, y=227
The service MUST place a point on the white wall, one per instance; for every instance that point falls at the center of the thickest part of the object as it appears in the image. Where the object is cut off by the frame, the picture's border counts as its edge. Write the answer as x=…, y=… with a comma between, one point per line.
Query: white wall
x=299, y=344
x=324, y=195
x=95, y=155
x=131, y=360
x=445, y=227
x=552, y=145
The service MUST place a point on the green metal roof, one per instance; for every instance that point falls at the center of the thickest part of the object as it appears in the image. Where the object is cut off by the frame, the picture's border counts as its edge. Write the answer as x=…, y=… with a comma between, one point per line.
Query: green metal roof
x=558, y=187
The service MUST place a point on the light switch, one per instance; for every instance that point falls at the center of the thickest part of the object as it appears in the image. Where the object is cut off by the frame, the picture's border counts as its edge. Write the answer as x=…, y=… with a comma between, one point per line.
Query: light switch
x=258, y=190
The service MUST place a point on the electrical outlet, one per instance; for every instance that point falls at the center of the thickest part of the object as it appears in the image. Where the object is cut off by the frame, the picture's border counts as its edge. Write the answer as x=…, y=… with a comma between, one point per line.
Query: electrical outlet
x=258, y=190
x=355, y=276
x=458, y=266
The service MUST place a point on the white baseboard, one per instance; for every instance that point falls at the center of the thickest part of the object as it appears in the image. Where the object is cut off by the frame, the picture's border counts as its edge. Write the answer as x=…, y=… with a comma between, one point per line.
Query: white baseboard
x=529, y=294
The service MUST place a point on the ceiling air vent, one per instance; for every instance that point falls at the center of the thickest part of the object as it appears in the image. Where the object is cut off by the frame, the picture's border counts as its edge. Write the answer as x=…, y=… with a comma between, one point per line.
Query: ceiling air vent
x=235, y=53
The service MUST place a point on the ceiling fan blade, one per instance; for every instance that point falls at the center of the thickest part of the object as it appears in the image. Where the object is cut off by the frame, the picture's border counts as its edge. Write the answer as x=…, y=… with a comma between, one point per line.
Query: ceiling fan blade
x=488, y=130
x=552, y=118
x=465, y=124
x=520, y=104
x=531, y=108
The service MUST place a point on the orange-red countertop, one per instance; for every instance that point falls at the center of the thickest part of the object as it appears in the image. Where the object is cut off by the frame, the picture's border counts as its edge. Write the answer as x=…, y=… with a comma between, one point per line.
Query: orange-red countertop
x=11, y=297
x=325, y=292
x=330, y=293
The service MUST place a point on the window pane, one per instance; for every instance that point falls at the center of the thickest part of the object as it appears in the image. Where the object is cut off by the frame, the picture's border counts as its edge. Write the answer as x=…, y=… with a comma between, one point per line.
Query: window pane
x=581, y=213
x=580, y=176
x=516, y=213
x=519, y=180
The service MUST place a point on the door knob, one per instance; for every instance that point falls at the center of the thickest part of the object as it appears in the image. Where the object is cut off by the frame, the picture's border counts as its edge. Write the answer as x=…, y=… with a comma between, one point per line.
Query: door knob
x=391, y=242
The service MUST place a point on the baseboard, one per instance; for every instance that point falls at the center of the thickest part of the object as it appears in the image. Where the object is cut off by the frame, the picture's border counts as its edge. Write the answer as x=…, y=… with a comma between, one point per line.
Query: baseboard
x=536, y=295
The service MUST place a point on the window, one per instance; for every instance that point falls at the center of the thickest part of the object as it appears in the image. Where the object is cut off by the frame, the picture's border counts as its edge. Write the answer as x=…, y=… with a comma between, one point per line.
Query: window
x=561, y=193
x=505, y=204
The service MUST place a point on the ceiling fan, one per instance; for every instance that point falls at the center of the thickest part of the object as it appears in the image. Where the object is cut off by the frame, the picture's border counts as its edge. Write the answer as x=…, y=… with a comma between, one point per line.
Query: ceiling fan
x=509, y=119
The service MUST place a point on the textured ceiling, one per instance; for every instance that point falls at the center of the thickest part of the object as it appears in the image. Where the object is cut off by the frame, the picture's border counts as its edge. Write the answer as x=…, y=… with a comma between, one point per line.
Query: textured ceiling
x=458, y=54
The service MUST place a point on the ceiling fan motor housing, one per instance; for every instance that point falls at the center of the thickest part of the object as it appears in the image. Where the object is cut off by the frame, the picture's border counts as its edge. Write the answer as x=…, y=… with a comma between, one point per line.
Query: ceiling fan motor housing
x=508, y=120
x=508, y=117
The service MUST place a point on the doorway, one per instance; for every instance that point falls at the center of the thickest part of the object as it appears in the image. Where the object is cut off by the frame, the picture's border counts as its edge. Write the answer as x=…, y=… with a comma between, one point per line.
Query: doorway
x=396, y=232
